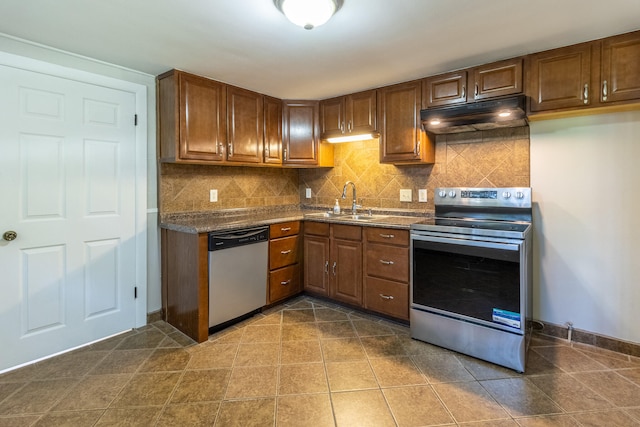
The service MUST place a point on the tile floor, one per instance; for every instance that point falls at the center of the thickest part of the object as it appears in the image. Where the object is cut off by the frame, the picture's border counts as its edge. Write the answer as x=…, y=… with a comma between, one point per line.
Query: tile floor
x=310, y=363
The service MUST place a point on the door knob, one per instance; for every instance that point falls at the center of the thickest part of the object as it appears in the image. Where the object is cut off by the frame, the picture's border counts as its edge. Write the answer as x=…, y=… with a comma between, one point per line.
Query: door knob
x=9, y=235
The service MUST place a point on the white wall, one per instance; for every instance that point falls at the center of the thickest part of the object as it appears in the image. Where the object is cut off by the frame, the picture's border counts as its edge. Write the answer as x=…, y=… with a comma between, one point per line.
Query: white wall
x=43, y=53
x=585, y=176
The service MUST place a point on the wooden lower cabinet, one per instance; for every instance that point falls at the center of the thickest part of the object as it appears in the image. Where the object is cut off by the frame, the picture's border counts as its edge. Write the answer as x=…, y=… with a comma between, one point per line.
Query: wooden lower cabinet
x=185, y=282
x=333, y=261
x=386, y=266
x=284, y=261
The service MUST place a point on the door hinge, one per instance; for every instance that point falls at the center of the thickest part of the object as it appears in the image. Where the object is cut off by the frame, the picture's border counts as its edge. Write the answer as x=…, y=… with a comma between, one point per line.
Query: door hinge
x=135, y=292
x=135, y=120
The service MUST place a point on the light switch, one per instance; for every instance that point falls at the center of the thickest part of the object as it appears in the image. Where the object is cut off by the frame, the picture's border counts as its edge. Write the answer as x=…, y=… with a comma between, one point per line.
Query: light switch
x=405, y=195
x=422, y=195
x=213, y=195
x=307, y=193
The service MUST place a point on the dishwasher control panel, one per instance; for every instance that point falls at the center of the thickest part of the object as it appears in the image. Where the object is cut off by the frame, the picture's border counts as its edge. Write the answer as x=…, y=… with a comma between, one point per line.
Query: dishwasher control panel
x=230, y=239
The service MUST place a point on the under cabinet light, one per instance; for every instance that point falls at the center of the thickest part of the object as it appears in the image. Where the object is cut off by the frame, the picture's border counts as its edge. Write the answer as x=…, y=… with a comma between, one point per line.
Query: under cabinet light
x=352, y=138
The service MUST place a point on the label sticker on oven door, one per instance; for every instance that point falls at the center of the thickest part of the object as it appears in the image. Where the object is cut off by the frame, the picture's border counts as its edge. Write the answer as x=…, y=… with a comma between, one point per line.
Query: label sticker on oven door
x=505, y=317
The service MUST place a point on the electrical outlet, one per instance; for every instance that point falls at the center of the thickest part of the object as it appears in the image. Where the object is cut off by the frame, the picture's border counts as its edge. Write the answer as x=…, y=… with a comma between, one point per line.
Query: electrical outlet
x=213, y=195
x=307, y=193
x=422, y=195
x=405, y=195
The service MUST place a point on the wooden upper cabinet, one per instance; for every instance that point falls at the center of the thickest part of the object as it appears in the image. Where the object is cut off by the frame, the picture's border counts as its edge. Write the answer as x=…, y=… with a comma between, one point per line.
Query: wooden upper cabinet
x=361, y=112
x=301, y=135
x=332, y=117
x=192, y=118
x=245, y=114
x=350, y=114
x=401, y=138
x=620, y=76
x=445, y=89
x=272, y=130
x=496, y=79
x=561, y=78
x=474, y=84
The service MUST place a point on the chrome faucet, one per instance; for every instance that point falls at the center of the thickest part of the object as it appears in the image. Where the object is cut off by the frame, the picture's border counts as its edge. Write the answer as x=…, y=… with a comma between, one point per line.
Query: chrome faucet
x=354, y=204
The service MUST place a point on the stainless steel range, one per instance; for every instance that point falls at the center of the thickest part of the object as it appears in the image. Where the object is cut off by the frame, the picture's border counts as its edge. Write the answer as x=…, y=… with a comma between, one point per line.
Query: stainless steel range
x=471, y=274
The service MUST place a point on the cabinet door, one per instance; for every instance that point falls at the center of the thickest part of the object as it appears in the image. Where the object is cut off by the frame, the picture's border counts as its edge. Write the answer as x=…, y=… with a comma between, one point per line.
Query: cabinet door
x=620, y=79
x=497, y=79
x=332, y=118
x=272, y=130
x=399, y=122
x=203, y=119
x=245, y=114
x=560, y=78
x=300, y=132
x=316, y=264
x=445, y=89
x=346, y=271
x=361, y=112
x=284, y=282
x=401, y=138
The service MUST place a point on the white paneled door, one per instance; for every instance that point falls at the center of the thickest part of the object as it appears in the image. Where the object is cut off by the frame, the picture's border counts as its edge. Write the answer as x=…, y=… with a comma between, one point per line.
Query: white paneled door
x=67, y=189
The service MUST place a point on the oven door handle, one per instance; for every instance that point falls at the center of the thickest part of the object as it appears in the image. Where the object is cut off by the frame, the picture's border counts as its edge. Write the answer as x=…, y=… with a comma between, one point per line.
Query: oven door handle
x=465, y=242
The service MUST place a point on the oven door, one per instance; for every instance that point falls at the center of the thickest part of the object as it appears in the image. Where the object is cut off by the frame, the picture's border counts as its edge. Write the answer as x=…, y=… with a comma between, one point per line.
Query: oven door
x=478, y=280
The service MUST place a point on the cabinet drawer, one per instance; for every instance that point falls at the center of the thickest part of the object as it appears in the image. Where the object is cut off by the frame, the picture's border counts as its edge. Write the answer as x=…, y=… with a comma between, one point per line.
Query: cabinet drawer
x=347, y=232
x=316, y=228
x=388, y=236
x=284, y=229
x=385, y=296
x=283, y=251
x=284, y=282
x=389, y=262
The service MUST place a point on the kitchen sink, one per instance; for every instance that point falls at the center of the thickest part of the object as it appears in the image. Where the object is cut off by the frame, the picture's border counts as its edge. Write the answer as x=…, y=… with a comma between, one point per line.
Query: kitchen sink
x=345, y=216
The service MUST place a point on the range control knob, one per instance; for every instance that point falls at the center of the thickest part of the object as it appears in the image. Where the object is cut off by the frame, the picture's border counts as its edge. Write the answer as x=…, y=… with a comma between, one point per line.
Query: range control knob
x=506, y=195
x=442, y=194
x=519, y=195
x=452, y=194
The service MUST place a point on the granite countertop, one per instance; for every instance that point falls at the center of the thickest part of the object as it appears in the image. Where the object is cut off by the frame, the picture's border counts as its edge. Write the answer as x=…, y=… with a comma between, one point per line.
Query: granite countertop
x=204, y=222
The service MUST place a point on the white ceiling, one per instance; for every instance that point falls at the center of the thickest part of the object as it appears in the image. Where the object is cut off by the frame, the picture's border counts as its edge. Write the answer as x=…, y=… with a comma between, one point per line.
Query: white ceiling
x=368, y=43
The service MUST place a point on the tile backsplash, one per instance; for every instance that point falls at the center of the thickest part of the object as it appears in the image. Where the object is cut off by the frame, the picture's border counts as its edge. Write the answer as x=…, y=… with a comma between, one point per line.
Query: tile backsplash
x=495, y=158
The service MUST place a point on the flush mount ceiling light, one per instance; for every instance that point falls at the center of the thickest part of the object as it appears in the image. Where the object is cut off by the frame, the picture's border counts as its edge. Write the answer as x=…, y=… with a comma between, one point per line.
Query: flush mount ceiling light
x=308, y=14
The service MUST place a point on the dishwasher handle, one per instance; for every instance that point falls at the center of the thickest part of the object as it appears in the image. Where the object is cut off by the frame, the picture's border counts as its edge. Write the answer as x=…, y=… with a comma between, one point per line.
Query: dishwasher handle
x=231, y=239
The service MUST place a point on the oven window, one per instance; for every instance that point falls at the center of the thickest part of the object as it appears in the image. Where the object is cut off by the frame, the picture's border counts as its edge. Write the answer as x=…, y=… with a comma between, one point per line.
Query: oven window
x=481, y=283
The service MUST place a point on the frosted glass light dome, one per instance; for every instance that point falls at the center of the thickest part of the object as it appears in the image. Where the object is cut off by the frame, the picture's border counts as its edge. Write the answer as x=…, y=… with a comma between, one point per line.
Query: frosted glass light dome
x=308, y=14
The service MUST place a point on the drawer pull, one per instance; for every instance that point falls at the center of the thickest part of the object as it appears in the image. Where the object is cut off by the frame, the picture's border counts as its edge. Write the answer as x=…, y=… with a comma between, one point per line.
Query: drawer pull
x=388, y=297
x=387, y=236
x=386, y=262
x=285, y=229
x=333, y=269
x=288, y=251
x=286, y=282
x=326, y=267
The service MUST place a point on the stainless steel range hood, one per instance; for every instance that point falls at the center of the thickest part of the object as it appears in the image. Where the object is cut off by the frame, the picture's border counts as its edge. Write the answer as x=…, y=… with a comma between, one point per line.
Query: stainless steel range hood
x=481, y=115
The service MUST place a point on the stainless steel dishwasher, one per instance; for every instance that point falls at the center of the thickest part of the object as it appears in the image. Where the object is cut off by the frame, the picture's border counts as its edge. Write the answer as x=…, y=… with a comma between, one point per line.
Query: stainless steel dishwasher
x=238, y=266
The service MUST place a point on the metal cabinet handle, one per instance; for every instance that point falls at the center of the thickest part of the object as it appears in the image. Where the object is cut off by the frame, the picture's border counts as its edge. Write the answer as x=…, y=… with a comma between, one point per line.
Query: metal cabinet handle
x=386, y=262
x=418, y=147
x=326, y=267
x=333, y=269
x=387, y=236
x=464, y=92
x=285, y=229
x=286, y=282
x=586, y=94
x=284, y=154
x=475, y=91
x=349, y=127
x=230, y=149
x=9, y=235
x=605, y=90
x=388, y=297
x=288, y=251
